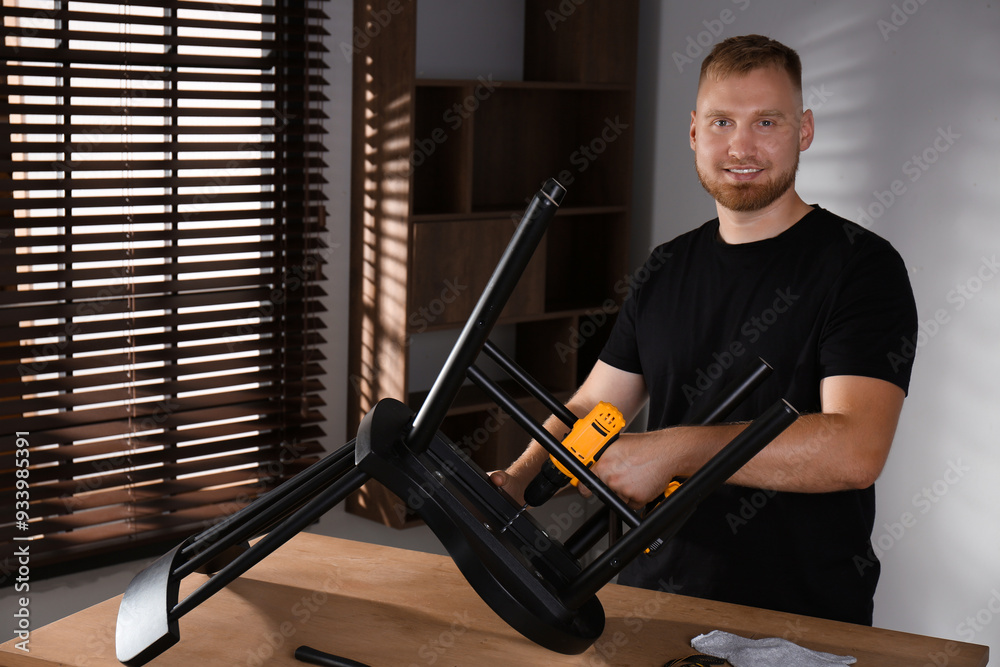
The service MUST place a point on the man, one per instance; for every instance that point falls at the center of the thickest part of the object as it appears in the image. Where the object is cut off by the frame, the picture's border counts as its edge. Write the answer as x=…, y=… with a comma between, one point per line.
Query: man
x=824, y=301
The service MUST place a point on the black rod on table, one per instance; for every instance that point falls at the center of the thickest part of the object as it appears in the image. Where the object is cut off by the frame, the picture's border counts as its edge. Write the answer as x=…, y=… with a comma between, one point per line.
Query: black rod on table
x=512, y=369
x=554, y=447
x=484, y=315
x=668, y=516
x=314, y=656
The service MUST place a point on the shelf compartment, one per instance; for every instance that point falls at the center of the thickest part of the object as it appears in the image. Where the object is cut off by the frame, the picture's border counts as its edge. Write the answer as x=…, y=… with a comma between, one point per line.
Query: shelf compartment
x=456, y=259
x=586, y=261
x=582, y=41
x=441, y=159
x=480, y=148
x=522, y=136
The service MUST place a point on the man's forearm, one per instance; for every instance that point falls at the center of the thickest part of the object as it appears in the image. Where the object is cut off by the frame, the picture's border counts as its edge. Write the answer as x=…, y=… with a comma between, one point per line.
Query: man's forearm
x=529, y=462
x=844, y=447
x=818, y=453
x=527, y=465
x=813, y=455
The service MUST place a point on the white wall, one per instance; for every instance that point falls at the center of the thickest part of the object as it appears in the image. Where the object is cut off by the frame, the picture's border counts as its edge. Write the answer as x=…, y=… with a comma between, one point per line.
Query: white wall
x=468, y=39
x=906, y=94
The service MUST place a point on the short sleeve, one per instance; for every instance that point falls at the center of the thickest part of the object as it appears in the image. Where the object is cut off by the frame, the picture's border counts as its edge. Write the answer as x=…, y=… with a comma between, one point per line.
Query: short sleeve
x=871, y=328
x=622, y=349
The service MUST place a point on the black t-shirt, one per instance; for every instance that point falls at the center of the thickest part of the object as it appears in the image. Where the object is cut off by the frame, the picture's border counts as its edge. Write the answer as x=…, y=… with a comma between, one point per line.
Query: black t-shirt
x=824, y=298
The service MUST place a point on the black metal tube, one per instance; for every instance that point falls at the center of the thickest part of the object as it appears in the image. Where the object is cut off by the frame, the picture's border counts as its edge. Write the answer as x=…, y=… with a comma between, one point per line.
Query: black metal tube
x=268, y=513
x=484, y=315
x=273, y=496
x=314, y=656
x=614, y=530
x=669, y=515
x=587, y=535
x=732, y=395
x=317, y=507
x=735, y=393
x=554, y=447
x=512, y=369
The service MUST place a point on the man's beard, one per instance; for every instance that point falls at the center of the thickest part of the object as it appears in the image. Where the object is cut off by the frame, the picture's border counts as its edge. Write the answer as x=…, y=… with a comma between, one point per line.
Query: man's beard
x=748, y=196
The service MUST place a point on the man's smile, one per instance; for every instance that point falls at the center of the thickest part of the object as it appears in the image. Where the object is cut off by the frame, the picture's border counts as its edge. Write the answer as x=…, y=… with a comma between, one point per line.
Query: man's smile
x=743, y=173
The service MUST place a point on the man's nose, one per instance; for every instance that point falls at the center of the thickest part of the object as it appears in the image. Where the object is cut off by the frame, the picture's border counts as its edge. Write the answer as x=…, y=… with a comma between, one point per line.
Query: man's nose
x=741, y=144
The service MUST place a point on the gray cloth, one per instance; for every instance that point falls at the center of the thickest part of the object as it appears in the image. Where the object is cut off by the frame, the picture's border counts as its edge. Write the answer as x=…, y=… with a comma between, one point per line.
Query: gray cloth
x=768, y=652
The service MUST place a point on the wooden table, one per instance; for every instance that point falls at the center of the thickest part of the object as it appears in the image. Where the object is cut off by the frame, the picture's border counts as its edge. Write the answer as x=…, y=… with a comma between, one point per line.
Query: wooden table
x=385, y=606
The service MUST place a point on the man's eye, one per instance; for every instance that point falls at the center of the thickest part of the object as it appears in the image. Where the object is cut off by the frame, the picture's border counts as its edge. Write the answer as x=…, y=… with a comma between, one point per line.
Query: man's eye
x=767, y=123
x=722, y=123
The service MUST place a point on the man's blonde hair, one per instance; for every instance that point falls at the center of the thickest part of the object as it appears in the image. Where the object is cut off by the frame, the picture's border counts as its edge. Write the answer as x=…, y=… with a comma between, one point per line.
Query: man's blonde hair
x=738, y=56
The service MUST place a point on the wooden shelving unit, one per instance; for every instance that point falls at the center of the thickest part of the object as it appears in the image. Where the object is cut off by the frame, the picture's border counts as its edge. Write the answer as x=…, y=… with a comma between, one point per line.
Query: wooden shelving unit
x=443, y=170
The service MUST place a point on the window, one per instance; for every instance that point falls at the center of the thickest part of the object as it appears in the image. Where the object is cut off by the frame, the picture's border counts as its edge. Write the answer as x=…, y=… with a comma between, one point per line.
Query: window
x=160, y=192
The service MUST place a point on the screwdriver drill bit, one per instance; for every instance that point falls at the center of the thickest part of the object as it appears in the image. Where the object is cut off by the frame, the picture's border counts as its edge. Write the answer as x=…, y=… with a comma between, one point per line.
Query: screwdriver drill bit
x=514, y=518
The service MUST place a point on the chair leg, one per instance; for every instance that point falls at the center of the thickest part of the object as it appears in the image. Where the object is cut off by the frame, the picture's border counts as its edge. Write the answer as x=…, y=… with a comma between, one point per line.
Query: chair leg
x=149, y=612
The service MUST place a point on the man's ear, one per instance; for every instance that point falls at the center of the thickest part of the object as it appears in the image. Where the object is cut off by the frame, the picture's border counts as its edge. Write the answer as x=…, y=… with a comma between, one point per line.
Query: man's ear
x=806, y=130
x=692, y=132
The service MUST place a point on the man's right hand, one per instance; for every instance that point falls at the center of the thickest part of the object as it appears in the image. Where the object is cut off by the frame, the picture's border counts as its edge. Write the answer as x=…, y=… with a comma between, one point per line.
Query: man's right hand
x=627, y=391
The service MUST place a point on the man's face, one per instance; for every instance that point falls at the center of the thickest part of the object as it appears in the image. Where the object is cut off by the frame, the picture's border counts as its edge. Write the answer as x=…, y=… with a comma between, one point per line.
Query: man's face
x=746, y=133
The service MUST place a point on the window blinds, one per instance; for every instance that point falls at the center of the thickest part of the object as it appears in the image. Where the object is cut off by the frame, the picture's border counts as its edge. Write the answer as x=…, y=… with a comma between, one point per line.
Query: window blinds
x=162, y=213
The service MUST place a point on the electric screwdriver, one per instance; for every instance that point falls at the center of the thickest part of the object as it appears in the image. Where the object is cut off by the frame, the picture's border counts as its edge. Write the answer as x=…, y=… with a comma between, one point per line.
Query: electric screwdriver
x=586, y=441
